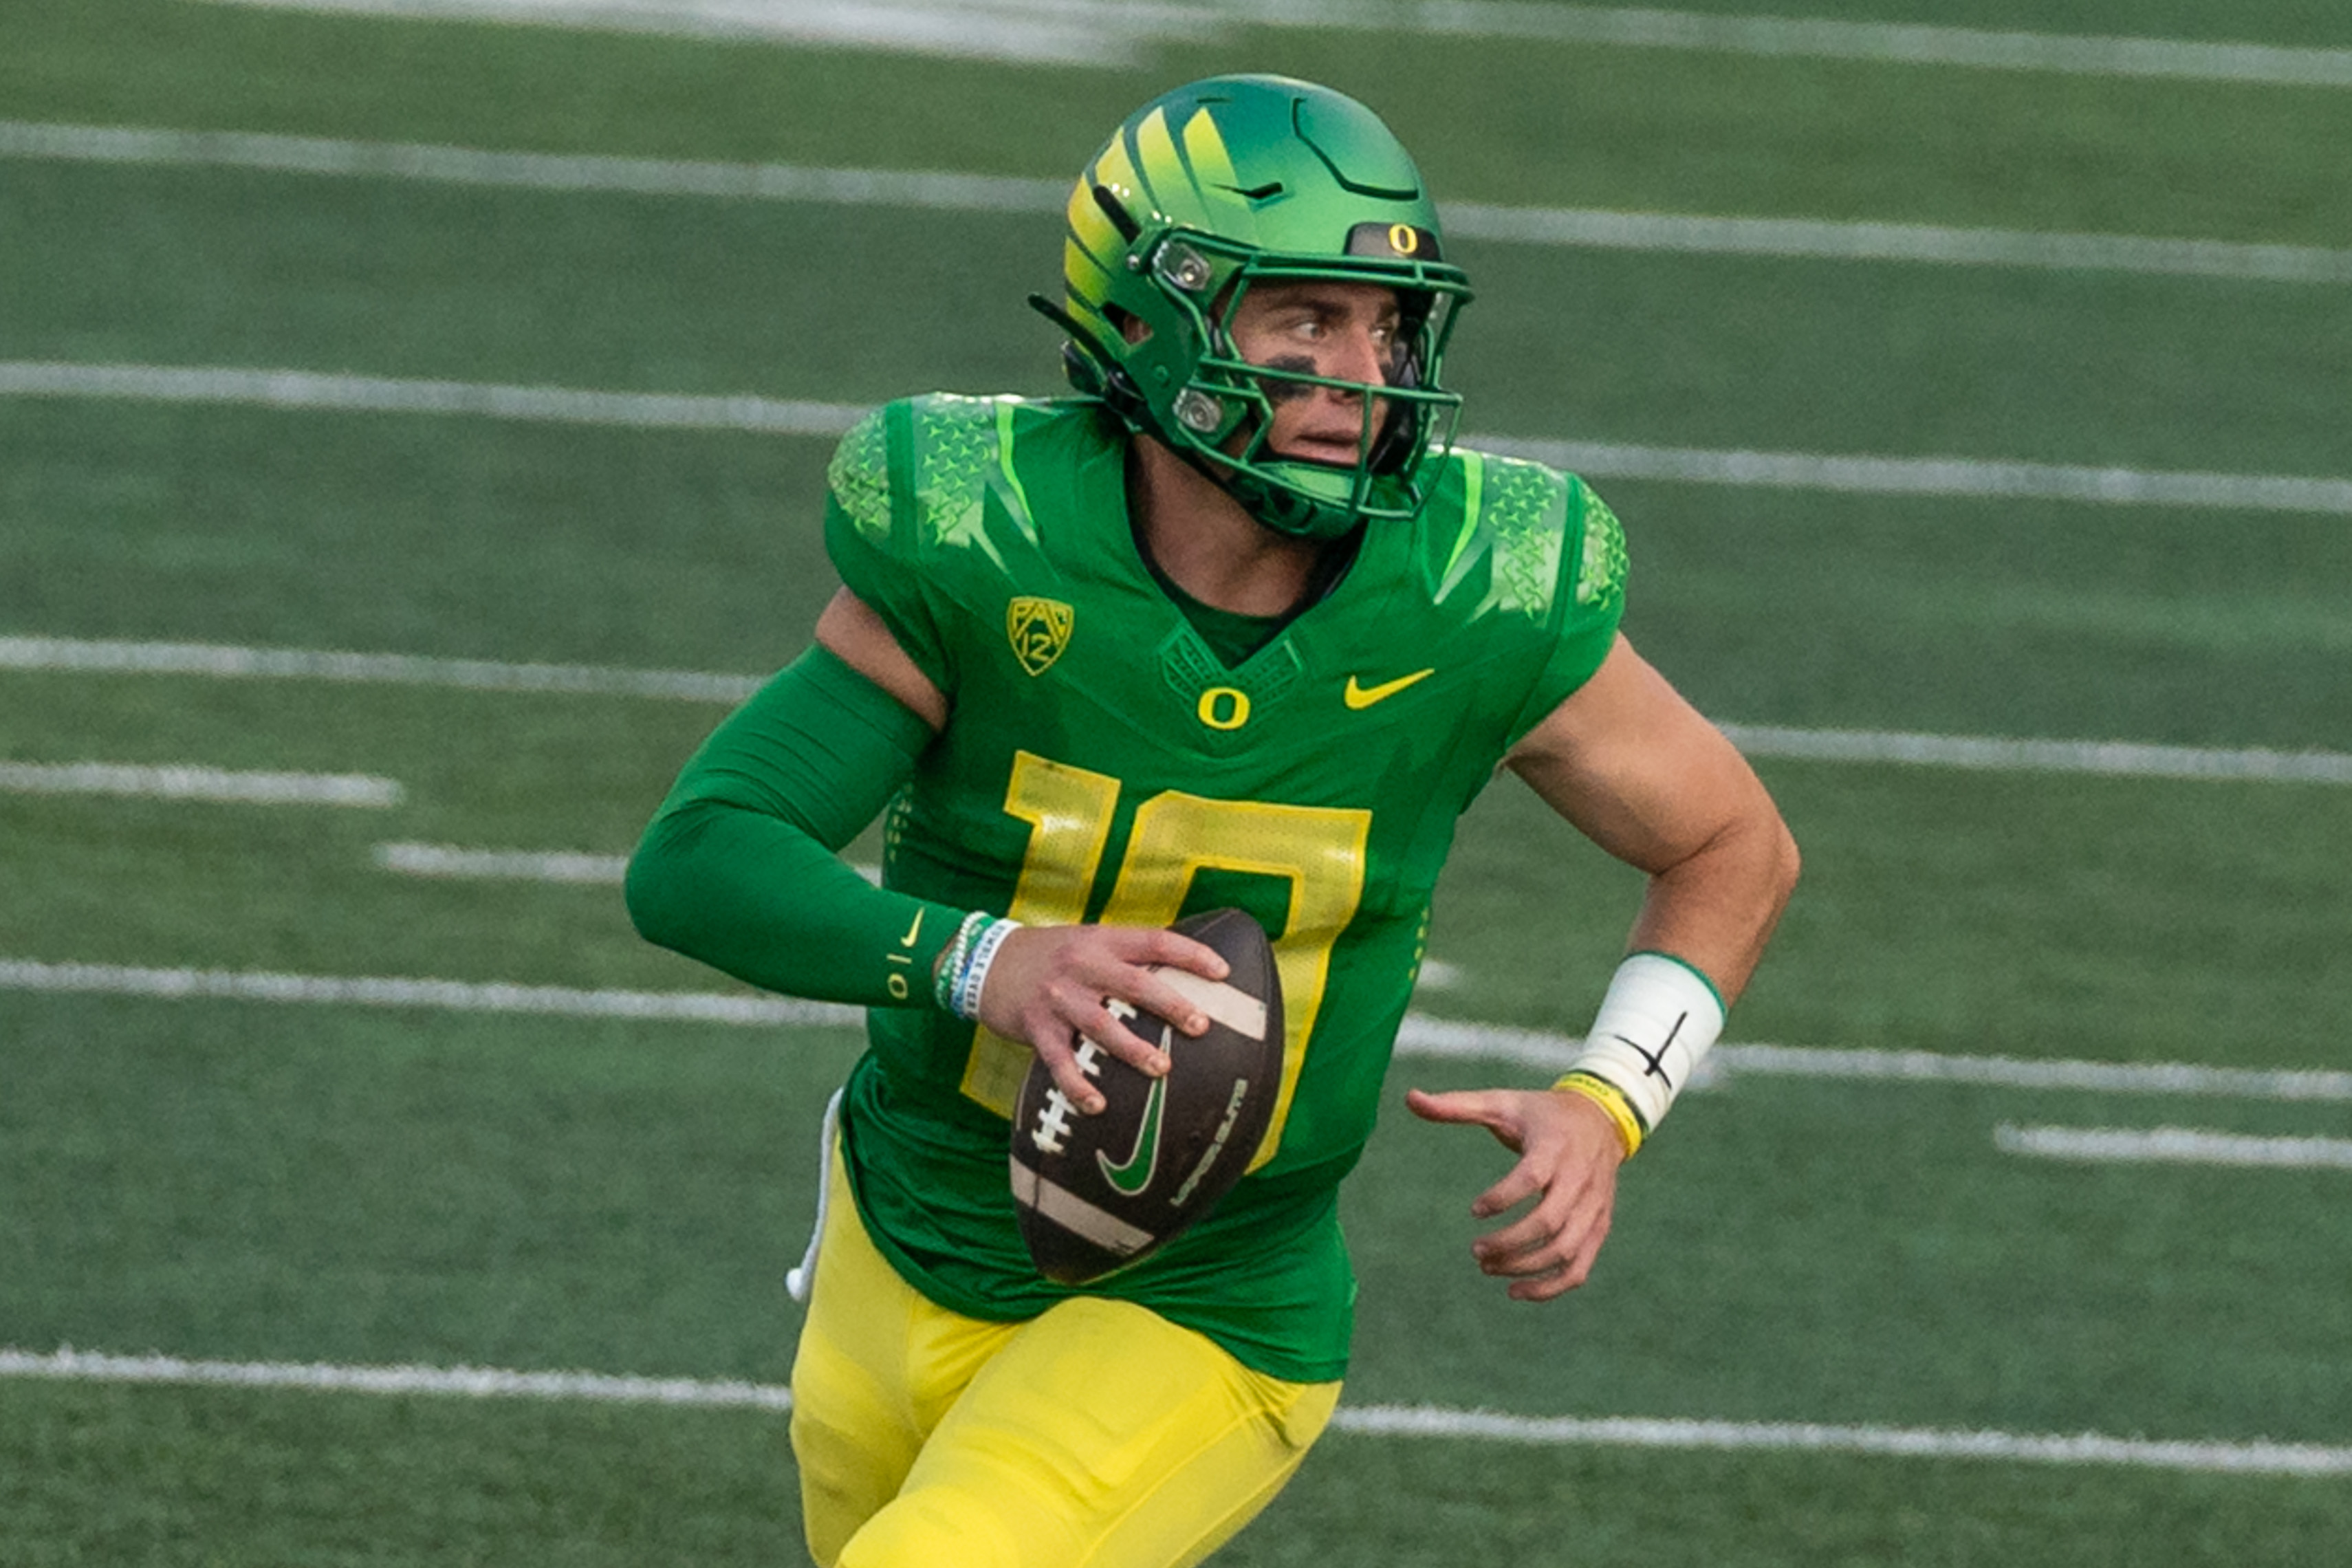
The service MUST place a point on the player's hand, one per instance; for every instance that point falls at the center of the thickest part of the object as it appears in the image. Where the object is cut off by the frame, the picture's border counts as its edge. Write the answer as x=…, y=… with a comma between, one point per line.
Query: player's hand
x=1568, y=1153
x=1049, y=985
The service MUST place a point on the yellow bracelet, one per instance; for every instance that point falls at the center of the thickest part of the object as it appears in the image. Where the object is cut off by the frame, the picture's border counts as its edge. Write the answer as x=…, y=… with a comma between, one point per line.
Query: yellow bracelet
x=1612, y=1101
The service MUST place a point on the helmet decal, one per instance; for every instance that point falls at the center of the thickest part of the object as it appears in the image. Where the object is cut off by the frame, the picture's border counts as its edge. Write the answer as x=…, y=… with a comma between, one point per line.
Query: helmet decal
x=1396, y=239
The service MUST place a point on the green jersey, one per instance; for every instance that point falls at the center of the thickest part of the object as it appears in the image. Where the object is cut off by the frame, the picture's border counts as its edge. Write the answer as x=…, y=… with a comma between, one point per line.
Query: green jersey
x=1101, y=763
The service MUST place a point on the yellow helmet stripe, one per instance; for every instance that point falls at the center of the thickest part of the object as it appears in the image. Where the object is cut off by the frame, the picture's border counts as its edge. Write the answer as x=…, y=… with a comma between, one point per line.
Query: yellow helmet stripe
x=1156, y=159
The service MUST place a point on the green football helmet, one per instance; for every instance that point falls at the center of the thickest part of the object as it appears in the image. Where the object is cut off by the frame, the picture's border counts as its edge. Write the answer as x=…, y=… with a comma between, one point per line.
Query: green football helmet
x=1231, y=182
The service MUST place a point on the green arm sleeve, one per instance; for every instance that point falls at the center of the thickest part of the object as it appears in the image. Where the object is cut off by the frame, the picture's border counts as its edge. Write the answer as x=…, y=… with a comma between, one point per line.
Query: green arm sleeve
x=740, y=867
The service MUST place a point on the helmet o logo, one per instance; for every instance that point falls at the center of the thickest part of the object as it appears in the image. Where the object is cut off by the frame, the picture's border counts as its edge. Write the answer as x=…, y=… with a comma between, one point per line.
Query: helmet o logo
x=1403, y=239
x=1223, y=708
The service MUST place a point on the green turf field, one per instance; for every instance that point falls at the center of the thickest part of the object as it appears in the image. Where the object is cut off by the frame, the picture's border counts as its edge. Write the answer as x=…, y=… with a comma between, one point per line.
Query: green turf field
x=325, y=1184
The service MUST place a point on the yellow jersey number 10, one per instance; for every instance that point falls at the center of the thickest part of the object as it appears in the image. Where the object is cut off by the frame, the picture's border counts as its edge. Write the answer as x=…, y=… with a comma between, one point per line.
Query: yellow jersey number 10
x=1319, y=849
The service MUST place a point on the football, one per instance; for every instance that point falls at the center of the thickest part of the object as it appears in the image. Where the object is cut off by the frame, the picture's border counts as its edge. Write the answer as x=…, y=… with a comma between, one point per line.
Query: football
x=1097, y=1193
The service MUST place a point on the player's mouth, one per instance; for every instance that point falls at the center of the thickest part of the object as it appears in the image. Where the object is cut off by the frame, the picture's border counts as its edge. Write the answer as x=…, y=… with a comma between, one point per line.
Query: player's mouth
x=1339, y=450
x=1311, y=425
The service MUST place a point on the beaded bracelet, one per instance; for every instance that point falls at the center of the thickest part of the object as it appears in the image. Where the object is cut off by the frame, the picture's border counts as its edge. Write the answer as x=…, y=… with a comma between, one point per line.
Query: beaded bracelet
x=949, y=968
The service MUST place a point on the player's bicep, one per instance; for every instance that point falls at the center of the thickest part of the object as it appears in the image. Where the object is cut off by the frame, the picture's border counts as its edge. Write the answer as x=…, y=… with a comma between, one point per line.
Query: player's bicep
x=1636, y=768
x=859, y=638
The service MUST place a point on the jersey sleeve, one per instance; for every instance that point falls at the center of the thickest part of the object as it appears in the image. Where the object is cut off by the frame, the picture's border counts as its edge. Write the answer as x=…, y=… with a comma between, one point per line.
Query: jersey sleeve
x=873, y=536
x=1589, y=601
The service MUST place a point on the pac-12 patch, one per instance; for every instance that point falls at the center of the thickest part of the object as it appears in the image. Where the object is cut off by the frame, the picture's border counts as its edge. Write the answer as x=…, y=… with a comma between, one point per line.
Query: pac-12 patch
x=1039, y=630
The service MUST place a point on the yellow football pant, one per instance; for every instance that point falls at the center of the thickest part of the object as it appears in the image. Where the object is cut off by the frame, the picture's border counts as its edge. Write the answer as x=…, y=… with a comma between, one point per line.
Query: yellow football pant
x=1097, y=1436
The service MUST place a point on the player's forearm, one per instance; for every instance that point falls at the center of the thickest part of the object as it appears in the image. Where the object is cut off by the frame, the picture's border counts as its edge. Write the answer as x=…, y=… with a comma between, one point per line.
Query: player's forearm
x=1701, y=929
x=1715, y=908
x=765, y=902
x=739, y=867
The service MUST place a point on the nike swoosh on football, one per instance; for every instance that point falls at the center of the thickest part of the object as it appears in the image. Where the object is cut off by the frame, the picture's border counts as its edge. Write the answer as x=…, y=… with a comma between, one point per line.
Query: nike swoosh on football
x=1365, y=696
x=1135, y=1174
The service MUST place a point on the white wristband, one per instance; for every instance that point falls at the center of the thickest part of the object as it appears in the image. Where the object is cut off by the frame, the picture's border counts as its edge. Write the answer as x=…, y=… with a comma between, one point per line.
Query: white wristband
x=1653, y=1029
x=975, y=973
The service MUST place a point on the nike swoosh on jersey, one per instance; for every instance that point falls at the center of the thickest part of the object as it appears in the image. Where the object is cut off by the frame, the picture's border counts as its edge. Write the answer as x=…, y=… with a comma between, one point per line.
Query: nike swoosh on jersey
x=1361, y=696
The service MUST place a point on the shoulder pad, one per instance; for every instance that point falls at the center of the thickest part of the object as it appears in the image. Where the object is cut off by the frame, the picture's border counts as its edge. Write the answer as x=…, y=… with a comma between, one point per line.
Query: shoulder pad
x=1525, y=512
x=930, y=463
x=1538, y=534
x=1600, y=566
x=859, y=474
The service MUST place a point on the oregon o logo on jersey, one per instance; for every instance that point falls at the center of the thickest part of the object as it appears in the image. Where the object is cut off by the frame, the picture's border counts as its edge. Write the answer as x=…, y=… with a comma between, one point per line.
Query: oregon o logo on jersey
x=1039, y=630
x=1224, y=708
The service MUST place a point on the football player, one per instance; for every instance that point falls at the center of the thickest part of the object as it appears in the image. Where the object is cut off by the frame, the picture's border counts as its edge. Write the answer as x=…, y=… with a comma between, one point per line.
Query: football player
x=1235, y=626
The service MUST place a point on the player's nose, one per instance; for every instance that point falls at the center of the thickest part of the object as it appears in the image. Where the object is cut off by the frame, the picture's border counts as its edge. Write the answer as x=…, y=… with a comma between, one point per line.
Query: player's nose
x=1356, y=355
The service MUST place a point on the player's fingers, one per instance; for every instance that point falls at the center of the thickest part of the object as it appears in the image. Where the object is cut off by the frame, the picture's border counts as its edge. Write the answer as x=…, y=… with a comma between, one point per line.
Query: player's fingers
x=1117, y=962
x=1142, y=945
x=1545, y=1252
x=1557, y=1261
x=1586, y=1249
x=1150, y=990
x=1155, y=945
x=1149, y=979
x=1537, y=1265
x=1057, y=1048
x=1474, y=1107
x=1564, y=1190
x=1532, y=1231
x=1095, y=1020
x=1559, y=1283
x=1520, y=1183
x=1578, y=1257
x=1560, y=1198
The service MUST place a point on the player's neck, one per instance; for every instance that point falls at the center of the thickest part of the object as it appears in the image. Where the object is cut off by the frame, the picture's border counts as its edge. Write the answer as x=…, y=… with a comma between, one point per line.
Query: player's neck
x=1207, y=545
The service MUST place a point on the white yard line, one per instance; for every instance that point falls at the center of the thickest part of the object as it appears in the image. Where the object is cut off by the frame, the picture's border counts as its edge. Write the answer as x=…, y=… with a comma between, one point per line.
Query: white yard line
x=2172, y=1146
x=1107, y=32
x=1965, y=477
x=2015, y=1073
x=1421, y=1036
x=430, y=995
x=458, y=863
x=501, y=865
x=460, y=1381
x=1423, y=1421
x=186, y=780
x=220, y=662
x=141, y=146
x=1048, y=32
x=1888, y=42
x=1594, y=229
x=304, y=390
x=1995, y=754
x=1436, y=975
x=1907, y=1442
x=1576, y=227
x=1983, y=752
